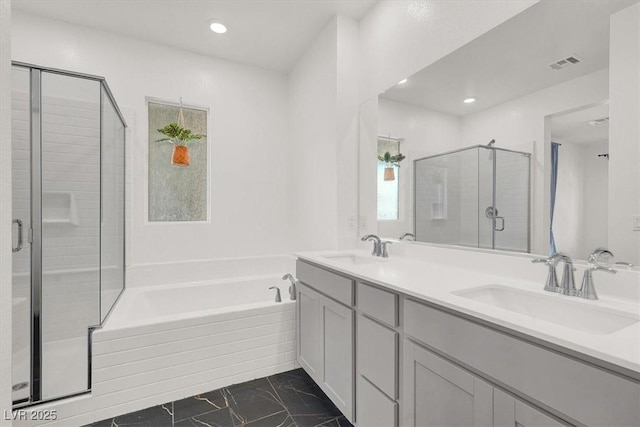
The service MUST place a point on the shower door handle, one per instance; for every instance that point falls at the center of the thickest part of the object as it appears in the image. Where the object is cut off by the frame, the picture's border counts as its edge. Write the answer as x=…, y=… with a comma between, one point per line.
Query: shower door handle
x=19, y=247
x=501, y=228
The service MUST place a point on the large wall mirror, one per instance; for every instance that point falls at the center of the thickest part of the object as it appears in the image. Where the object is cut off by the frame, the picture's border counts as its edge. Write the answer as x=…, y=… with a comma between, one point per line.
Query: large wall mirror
x=507, y=144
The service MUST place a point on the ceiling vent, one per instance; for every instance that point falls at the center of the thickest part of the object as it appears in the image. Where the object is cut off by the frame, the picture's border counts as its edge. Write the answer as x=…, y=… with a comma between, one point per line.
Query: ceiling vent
x=598, y=122
x=565, y=62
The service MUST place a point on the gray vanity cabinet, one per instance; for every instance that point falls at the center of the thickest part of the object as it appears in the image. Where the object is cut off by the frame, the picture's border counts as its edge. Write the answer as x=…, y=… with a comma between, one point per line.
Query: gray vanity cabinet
x=377, y=357
x=509, y=412
x=326, y=333
x=438, y=393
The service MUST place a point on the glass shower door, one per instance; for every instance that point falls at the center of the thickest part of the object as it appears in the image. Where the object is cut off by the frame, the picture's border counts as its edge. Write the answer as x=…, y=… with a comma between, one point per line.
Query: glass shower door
x=512, y=201
x=70, y=183
x=21, y=211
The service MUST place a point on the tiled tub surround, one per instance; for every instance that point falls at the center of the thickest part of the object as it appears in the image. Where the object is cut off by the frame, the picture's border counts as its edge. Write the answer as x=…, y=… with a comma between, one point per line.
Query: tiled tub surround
x=288, y=399
x=555, y=358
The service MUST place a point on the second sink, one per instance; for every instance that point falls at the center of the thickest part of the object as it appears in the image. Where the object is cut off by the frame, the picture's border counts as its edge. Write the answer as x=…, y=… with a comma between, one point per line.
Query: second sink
x=551, y=308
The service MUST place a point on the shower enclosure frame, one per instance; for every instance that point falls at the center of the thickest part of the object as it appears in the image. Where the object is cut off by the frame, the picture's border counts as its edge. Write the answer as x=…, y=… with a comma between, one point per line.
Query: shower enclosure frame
x=35, y=230
x=494, y=185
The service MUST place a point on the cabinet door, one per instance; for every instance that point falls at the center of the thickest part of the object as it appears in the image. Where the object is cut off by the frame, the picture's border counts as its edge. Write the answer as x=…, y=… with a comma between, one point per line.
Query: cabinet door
x=337, y=349
x=511, y=412
x=438, y=393
x=309, y=330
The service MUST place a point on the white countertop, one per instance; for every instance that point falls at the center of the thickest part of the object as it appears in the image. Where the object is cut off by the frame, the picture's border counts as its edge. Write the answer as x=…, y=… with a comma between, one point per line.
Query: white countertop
x=435, y=282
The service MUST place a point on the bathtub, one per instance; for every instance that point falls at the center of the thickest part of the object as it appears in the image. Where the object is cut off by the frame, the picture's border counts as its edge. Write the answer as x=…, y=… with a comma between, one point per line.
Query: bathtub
x=166, y=342
x=167, y=303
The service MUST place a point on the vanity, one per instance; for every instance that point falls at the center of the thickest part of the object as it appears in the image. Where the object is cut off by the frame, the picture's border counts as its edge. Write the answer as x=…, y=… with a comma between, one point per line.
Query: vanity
x=401, y=341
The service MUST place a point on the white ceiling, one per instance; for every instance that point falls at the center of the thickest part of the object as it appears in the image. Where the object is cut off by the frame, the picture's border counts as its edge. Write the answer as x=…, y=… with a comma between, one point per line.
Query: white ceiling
x=270, y=34
x=573, y=127
x=512, y=60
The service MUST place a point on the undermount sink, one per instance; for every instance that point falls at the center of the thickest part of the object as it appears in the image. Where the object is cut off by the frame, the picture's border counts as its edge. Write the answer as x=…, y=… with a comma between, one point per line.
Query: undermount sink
x=352, y=259
x=552, y=308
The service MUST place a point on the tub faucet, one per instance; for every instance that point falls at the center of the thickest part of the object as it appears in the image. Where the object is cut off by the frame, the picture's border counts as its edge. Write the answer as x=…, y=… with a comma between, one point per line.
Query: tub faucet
x=377, y=246
x=278, y=298
x=292, y=288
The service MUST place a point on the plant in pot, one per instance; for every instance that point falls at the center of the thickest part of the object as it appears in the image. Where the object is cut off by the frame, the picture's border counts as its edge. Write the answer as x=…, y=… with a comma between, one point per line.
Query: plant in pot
x=179, y=136
x=391, y=161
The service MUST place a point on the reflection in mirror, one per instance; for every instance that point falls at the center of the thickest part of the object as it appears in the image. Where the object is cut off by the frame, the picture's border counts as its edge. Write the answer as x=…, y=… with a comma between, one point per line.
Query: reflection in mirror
x=477, y=196
x=519, y=85
x=580, y=152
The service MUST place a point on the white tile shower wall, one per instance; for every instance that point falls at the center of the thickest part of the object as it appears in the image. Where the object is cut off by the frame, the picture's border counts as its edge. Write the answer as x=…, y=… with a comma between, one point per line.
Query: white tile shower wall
x=146, y=366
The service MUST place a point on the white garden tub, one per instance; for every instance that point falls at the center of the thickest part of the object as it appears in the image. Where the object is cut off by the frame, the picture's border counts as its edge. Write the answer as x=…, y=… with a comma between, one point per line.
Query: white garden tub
x=162, y=343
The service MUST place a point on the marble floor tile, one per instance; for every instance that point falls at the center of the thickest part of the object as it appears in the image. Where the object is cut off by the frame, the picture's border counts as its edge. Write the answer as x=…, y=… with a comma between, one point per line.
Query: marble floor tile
x=288, y=399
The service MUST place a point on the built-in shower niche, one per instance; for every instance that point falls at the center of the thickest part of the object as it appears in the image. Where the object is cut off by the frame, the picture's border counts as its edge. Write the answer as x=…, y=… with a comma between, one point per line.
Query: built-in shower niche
x=59, y=207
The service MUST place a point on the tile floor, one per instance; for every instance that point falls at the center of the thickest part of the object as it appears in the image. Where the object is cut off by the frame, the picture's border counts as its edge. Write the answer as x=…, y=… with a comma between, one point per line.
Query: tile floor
x=288, y=399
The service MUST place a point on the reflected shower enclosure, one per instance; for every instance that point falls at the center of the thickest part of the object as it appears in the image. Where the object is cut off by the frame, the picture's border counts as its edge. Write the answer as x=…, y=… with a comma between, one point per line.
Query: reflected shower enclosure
x=477, y=197
x=68, y=226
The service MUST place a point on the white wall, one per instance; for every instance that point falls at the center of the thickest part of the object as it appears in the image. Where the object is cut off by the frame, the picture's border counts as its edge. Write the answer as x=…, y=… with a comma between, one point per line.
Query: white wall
x=596, y=185
x=425, y=132
x=323, y=115
x=624, y=134
x=313, y=134
x=520, y=125
x=248, y=136
x=5, y=211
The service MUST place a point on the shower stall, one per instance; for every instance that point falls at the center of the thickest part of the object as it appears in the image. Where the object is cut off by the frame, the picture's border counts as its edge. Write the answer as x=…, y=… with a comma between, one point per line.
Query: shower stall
x=477, y=196
x=68, y=157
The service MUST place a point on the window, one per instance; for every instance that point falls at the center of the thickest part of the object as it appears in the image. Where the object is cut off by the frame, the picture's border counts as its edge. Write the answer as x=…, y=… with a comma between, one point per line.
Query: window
x=388, y=180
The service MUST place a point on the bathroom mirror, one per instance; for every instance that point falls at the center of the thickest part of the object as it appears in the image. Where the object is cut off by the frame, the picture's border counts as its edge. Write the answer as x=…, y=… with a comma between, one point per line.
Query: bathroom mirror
x=476, y=129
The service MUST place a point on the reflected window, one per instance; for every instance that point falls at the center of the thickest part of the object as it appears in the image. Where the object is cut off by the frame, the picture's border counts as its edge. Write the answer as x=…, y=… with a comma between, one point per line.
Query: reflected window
x=388, y=180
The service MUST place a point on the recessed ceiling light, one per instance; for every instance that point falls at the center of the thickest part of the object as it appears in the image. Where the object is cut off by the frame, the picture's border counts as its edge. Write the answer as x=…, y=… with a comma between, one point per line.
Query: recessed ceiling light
x=403, y=81
x=218, y=27
x=469, y=100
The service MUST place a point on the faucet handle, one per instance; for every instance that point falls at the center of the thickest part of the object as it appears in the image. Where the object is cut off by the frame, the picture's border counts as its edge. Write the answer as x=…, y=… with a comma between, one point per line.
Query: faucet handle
x=551, y=283
x=588, y=289
x=278, y=297
x=383, y=246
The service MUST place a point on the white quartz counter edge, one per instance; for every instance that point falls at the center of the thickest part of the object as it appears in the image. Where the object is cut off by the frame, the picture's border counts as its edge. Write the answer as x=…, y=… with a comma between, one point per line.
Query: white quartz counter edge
x=435, y=283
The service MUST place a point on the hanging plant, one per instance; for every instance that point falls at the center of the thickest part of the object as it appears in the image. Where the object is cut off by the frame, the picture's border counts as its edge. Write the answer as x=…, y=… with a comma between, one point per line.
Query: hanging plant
x=179, y=136
x=391, y=161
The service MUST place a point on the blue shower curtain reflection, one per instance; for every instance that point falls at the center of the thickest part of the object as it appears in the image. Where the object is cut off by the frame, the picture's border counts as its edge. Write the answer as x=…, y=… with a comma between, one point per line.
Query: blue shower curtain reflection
x=554, y=184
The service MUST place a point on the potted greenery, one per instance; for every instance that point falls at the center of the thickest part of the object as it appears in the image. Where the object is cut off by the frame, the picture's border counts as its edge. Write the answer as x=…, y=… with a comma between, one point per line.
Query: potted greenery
x=179, y=137
x=391, y=161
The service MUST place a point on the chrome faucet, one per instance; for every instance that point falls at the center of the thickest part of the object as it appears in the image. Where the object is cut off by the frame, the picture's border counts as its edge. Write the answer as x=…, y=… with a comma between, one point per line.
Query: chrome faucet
x=588, y=290
x=408, y=236
x=567, y=285
x=551, y=284
x=383, y=247
x=377, y=244
x=292, y=288
x=278, y=297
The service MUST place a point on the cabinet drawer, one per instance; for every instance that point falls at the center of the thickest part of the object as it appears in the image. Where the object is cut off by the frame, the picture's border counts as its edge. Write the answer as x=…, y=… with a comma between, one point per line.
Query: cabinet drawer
x=373, y=408
x=561, y=384
x=379, y=304
x=378, y=355
x=331, y=284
